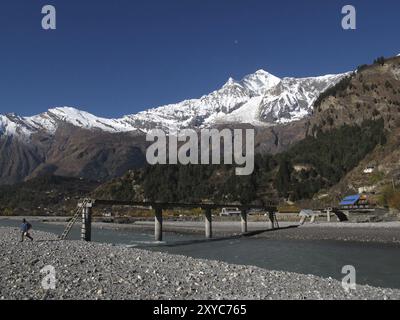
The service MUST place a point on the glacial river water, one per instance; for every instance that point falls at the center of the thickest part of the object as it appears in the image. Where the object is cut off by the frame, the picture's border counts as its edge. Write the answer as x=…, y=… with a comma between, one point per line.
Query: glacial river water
x=376, y=264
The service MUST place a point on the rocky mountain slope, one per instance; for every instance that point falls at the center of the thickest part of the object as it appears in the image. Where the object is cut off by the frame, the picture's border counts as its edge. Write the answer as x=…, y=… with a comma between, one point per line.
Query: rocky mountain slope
x=70, y=152
x=371, y=93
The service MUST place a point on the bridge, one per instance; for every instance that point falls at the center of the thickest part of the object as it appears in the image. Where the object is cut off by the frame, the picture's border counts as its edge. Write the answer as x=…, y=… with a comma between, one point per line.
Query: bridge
x=85, y=208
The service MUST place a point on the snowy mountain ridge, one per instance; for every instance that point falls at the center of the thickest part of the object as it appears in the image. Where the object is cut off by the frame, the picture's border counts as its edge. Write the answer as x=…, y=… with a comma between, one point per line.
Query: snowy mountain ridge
x=259, y=99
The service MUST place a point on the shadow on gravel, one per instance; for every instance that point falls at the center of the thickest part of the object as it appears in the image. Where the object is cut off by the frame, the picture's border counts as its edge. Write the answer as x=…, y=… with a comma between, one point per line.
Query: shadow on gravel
x=224, y=238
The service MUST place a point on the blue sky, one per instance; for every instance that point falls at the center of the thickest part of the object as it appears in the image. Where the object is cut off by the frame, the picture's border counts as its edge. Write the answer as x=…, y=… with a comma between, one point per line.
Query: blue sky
x=117, y=57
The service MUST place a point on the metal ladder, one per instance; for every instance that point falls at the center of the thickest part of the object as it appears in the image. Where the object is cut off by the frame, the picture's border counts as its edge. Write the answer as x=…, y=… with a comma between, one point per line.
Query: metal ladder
x=71, y=223
x=275, y=222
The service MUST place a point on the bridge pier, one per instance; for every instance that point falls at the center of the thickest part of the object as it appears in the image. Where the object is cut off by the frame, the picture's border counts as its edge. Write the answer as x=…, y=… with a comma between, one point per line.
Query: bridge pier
x=243, y=216
x=328, y=215
x=158, y=231
x=86, y=232
x=208, y=223
x=272, y=218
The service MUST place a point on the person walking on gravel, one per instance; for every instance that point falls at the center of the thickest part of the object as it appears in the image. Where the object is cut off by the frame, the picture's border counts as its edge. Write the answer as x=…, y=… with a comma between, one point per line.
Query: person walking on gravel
x=25, y=228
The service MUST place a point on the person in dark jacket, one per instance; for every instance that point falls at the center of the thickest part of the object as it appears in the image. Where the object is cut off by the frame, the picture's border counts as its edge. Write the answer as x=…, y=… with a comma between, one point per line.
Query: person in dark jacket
x=25, y=228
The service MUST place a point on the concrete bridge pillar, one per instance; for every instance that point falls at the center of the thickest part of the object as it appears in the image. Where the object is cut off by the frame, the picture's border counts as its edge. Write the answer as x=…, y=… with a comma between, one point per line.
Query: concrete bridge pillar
x=158, y=231
x=328, y=215
x=208, y=223
x=86, y=232
x=243, y=216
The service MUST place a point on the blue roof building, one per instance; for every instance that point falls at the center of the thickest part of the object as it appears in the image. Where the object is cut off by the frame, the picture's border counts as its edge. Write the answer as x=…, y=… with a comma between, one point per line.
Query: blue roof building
x=355, y=202
x=350, y=200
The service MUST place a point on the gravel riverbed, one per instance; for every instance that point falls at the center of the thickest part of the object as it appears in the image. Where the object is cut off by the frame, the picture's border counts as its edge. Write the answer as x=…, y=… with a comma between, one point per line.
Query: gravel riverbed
x=98, y=271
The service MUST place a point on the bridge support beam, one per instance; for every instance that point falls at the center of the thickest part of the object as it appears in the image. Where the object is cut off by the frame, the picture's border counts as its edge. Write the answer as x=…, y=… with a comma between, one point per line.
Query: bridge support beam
x=86, y=232
x=243, y=216
x=208, y=223
x=158, y=230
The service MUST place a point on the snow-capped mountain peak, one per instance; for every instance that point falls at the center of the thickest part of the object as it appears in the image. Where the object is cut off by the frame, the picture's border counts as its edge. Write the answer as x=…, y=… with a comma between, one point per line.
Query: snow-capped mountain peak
x=260, y=81
x=230, y=82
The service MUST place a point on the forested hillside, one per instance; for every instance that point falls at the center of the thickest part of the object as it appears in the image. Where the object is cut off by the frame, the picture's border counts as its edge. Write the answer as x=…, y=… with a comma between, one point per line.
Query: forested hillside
x=312, y=164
